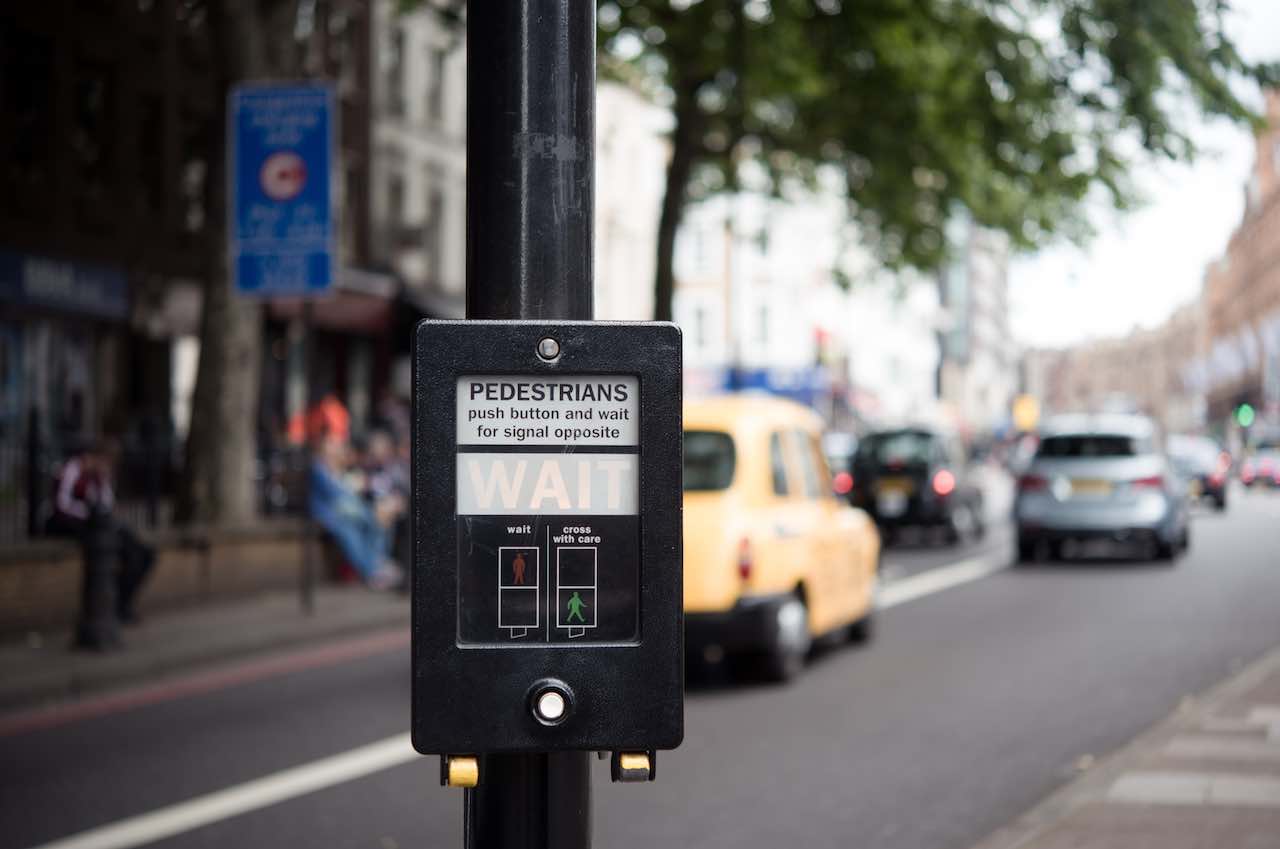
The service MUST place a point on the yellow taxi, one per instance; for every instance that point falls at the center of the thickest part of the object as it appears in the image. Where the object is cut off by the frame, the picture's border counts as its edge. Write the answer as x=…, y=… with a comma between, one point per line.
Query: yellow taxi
x=773, y=559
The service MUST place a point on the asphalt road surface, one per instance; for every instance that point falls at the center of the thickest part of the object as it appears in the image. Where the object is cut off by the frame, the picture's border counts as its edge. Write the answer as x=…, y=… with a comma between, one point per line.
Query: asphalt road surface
x=984, y=689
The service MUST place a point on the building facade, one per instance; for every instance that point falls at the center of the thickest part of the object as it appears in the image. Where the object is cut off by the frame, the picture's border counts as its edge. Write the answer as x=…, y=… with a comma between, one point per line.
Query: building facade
x=1241, y=295
x=631, y=162
x=775, y=294
x=1147, y=371
x=978, y=373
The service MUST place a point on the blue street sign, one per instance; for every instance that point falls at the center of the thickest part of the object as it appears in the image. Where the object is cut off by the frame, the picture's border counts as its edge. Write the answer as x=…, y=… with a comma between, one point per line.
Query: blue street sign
x=281, y=229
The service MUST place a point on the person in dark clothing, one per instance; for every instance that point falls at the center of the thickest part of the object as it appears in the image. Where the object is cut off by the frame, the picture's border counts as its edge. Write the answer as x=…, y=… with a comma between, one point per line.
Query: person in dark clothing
x=84, y=487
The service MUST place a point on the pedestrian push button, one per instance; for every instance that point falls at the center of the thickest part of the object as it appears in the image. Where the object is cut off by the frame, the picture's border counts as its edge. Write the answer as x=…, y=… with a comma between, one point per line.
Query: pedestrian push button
x=550, y=703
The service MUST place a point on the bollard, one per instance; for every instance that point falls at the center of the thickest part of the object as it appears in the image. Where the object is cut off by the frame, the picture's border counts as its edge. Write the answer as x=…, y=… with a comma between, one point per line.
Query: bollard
x=98, y=628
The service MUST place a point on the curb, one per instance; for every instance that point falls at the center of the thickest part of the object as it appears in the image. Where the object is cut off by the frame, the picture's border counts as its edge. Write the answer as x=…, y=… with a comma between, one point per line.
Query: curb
x=1094, y=783
x=61, y=688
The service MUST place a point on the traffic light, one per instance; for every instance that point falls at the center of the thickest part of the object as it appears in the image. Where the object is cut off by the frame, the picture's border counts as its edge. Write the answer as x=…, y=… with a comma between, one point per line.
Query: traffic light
x=1245, y=415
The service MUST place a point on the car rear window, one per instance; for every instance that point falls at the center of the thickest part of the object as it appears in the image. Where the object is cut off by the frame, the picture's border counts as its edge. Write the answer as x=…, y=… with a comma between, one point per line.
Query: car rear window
x=1196, y=458
x=709, y=460
x=1090, y=445
x=899, y=448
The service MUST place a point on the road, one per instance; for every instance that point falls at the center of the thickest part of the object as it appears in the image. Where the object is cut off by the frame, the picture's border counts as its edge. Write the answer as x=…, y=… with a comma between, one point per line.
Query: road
x=981, y=694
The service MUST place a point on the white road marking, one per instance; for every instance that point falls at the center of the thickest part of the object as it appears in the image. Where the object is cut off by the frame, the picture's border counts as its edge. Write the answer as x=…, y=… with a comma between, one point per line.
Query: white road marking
x=243, y=798
x=937, y=580
x=394, y=751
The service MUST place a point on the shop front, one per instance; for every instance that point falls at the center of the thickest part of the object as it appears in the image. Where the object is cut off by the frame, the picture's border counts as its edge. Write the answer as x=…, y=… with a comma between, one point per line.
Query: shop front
x=63, y=333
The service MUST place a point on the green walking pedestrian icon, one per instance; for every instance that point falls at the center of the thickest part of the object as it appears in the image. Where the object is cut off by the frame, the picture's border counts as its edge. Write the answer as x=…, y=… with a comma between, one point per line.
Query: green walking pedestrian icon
x=576, y=606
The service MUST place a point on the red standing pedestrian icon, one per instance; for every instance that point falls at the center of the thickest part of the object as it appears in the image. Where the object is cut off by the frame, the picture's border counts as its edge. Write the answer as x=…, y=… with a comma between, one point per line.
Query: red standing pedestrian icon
x=517, y=568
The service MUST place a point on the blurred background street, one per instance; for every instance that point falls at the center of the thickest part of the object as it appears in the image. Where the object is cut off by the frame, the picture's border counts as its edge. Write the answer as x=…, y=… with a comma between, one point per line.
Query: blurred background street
x=974, y=701
x=979, y=309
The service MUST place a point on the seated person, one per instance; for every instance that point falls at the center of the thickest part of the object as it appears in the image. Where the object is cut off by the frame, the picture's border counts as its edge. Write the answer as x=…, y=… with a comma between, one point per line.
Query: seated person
x=83, y=489
x=351, y=521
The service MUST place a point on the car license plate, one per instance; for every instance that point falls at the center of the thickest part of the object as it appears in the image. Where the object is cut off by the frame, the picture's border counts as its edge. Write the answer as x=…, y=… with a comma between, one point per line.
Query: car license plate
x=899, y=485
x=891, y=504
x=1090, y=487
x=1194, y=489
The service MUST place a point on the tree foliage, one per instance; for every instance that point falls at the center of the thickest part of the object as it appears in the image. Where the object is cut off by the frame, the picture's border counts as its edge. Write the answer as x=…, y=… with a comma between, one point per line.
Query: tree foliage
x=1015, y=110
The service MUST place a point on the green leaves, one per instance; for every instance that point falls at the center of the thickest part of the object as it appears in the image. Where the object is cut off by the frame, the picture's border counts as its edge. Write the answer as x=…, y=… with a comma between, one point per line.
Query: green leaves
x=1016, y=111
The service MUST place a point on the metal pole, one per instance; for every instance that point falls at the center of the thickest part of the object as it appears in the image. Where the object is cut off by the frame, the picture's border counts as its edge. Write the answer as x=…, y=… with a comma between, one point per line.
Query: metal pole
x=35, y=473
x=307, y=578
x=530, y=191
x=530, y=158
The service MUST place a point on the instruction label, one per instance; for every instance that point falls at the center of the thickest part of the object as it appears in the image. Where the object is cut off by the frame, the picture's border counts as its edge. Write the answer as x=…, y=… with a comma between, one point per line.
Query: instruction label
x=564, y=411
x=548, y=488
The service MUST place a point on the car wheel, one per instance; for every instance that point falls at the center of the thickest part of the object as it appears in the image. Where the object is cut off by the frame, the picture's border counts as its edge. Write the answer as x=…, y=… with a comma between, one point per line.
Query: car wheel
x=979, y=525
x=1038, y=550
x=961, y=526
x=785, y=659
x=1220, y=503
x=1168, y=551
x=864, y=629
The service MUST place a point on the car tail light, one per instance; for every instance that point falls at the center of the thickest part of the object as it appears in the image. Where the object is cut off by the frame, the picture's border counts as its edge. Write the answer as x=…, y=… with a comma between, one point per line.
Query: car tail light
x=1218, y=478
x=944, y=483
x=842, y=483
x=744, y=559
x=1153, y=482
x=1032, y=483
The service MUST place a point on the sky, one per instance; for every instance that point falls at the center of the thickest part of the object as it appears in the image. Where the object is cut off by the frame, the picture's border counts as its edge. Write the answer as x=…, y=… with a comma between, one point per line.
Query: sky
x=1145, y=263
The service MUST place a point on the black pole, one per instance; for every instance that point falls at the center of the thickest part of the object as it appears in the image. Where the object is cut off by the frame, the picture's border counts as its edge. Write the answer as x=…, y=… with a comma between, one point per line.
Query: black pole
x=35, y=473
x=310, y=536
x=530, y=198
x=530, y=158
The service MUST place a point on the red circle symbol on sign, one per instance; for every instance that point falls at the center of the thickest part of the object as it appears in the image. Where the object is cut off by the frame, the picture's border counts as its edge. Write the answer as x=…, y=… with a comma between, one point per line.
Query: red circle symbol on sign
x=283, y=175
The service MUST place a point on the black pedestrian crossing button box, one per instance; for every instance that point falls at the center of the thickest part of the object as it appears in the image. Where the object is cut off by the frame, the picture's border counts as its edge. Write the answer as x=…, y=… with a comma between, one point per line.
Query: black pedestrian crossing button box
x=546, y=537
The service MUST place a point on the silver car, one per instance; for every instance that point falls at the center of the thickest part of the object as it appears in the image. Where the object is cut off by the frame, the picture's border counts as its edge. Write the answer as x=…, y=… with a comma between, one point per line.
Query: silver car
x=1100, y=479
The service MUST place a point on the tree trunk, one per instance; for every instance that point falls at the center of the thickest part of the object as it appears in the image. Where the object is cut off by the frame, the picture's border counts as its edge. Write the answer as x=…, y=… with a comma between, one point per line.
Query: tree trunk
x=218, y=484
x=684, y=146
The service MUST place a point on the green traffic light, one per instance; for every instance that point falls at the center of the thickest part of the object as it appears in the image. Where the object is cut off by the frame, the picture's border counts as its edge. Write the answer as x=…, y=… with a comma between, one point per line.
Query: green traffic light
x=1244, y=415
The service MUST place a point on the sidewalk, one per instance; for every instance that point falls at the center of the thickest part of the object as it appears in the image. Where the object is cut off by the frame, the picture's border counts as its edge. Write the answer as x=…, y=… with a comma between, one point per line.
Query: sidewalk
x=44, y=668
x=1206, y=778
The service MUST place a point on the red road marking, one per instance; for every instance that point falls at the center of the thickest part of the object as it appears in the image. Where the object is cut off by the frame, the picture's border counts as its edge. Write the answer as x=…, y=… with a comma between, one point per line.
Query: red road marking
x=330, y=654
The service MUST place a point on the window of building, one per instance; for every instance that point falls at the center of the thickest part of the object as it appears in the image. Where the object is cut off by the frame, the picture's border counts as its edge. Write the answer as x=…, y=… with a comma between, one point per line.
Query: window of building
x=435, y=85
x=395, y=204
x=92, y=128
x=393, y=72
x=193, y=173
x=700, y=327
x=149, y=177
x=25, y=151
x=699, y=249
x=433, y=230
x=346, y=211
